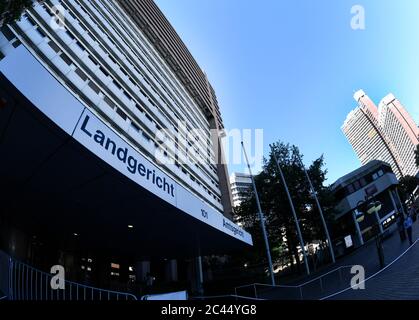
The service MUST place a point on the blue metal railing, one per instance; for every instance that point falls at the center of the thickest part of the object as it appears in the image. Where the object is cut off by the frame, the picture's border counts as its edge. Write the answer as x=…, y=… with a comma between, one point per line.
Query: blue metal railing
x=30, y=284
x=312, y=289
x=227, y=297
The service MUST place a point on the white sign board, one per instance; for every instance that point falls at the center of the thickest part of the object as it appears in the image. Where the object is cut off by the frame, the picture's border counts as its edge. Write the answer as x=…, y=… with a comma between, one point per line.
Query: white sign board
x=348, y=241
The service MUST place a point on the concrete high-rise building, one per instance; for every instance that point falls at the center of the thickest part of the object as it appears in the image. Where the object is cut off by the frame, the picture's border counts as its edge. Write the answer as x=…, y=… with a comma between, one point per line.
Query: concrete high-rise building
x=139, y=77
x=402, y=130
x=110, y=131
x=386, y=133
x=364, y=133
x=240, y=184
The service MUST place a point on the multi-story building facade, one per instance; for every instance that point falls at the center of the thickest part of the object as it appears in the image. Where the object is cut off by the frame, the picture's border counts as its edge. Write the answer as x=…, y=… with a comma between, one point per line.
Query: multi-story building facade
x=402, y=130
x=113, y=66
x=117, y=126
x=241, y=185
x=382, y=134
x=376, y=181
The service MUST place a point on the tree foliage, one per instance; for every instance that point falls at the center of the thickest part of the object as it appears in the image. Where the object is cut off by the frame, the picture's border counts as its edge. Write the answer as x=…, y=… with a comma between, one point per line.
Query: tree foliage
x=407, y=185
x=417, y=155
x=12, y=10
x=278, y=215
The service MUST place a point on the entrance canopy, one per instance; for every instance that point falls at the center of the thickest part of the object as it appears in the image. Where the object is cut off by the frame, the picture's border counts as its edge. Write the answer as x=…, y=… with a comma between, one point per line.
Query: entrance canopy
x=58, y=180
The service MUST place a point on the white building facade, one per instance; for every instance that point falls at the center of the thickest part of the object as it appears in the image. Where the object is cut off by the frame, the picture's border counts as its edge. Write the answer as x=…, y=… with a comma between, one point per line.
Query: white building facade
x=113, y=69
x=241, y=185
x=387, y=133
x=401, y=130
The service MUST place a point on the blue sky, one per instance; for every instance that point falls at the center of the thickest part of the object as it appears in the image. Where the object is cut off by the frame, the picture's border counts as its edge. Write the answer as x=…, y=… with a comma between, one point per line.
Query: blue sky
x=291, y=67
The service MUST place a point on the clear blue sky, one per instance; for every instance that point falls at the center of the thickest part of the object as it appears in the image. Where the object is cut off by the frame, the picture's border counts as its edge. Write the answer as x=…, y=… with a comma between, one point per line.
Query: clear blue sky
x=291, y=66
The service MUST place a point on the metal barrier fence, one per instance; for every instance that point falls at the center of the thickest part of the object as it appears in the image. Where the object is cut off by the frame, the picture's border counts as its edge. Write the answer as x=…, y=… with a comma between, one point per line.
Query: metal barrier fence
x=4, y=274
x=227, y=297
x=29, y=284
x=313, y=289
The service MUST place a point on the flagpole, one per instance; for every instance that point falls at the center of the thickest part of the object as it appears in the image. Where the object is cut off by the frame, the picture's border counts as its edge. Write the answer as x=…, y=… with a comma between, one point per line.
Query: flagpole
x=262, y=220
x=326, y=230
x=297, y=225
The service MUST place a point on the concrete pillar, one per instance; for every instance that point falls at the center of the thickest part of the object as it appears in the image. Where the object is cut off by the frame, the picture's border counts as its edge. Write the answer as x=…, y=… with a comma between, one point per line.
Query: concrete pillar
x=400, y=201
x=393, y=201
x=200, y=276
x=195, y=276
x=380, y=225
x=171, y=271
x=141, y=270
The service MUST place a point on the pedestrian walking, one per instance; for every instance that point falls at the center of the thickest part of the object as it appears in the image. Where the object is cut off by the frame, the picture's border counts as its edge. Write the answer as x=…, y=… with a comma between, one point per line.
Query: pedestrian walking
x=412, y=213
x=149, y=281
x=408, y=222
x=400, y=227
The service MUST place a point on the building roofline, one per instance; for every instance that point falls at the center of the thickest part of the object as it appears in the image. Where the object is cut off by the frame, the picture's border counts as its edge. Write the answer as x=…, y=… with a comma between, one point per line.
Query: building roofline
x=361, y=171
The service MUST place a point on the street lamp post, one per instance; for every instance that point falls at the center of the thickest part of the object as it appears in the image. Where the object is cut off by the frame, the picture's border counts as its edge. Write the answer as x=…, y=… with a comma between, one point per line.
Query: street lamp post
x=297, y=224
x=314, y=194
x=374, y=207
x=262, y=220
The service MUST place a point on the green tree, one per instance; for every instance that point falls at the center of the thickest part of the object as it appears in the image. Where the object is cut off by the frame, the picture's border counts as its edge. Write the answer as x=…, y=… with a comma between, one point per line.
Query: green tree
x=11, y=10
x=417, y=155
x=407, y=185
x=279, y=219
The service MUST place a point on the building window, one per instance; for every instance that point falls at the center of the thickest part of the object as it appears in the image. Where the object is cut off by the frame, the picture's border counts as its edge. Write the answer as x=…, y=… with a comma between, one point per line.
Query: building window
x=136, y=128
x=81, y=74
x=41, y=33
x=121, y=113
x=146, y=136
x=109, y=102
x=139, y=108
x=66, y=59
x=54, y=46
x=104, y=71
x=94, y=87
x=82, y=48
x=31, y=21
x=93, y=60
x=126, y=94
x=117, y=85
x=8, y=33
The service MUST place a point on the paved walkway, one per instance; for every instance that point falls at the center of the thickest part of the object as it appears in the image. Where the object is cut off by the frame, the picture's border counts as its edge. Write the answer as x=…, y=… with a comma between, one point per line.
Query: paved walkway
x=399, y=280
